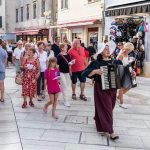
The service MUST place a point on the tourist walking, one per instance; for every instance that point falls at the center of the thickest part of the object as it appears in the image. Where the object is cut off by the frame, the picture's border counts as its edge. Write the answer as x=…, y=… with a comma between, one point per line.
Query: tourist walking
x=55, y=46
x=52, y=75
x=104, y=99
x=30, y=75
x=126, y=80
x=17, y=54
x=77, y=53
x=64, y=62
x=3, y=63
x=42, y=56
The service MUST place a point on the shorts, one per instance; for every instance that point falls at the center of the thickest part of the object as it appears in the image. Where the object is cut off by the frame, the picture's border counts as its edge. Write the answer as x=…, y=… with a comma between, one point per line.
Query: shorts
x=77, y=75
x=2, y=76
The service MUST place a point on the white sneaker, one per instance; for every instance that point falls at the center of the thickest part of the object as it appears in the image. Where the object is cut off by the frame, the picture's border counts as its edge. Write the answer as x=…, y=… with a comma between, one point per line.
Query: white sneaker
x=123, y=106
x=67, y=104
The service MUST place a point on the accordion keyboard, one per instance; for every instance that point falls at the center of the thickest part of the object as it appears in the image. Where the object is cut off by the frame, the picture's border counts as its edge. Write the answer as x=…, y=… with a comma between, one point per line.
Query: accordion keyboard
x=104, y=78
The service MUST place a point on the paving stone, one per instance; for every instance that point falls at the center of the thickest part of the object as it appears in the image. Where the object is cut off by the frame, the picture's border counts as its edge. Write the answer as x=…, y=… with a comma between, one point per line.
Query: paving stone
x=32, y=134
x=8, y=127
x=16, y=146
x=61, y=136
x=127, y=141
x=146, y=141
x=87, y=147
x=9, y=138
x=93, y=138
x=76, y=119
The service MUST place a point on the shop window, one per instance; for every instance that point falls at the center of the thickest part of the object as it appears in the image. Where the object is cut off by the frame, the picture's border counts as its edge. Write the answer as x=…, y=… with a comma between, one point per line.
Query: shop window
x=34, y=10
x=43, y=8
x=64, y=4
x=93, y=1
x=16, y=15
x=0, y=21
x=28, y=11
x=21, y=14
x=77, y=36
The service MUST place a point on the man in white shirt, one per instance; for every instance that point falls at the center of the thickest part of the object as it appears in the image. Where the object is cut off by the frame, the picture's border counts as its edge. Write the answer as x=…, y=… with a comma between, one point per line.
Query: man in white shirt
x=17, y=54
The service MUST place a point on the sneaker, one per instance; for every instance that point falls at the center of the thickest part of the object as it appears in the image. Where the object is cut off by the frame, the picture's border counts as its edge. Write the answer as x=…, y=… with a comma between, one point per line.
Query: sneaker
x=123, y=106
x=67, y=104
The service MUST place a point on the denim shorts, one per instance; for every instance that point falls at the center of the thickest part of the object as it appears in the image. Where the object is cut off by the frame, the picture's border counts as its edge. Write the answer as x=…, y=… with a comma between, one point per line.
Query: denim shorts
x=77, y=75
x=2, y=75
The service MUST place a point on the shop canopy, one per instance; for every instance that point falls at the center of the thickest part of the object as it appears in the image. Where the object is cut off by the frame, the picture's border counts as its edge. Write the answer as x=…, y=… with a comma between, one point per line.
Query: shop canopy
x=128, y=9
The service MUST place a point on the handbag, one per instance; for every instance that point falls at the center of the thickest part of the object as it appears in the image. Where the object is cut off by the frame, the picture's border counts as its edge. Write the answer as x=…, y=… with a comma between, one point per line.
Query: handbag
x=138, y=71
x=19, y=78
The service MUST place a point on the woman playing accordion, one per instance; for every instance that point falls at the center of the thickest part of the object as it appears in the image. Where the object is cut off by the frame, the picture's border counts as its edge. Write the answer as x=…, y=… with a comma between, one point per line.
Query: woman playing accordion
x=104, y=99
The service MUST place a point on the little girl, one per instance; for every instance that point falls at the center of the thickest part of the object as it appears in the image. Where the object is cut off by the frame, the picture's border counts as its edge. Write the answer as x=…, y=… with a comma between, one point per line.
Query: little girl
x=52, y=75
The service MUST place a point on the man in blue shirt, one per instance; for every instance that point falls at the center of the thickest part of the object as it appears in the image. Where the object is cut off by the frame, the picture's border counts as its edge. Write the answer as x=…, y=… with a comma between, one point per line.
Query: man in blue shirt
x=3, y=62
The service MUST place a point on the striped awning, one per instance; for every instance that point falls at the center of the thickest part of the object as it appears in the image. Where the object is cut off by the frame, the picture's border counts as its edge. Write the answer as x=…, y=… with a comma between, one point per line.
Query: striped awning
x=128, y=9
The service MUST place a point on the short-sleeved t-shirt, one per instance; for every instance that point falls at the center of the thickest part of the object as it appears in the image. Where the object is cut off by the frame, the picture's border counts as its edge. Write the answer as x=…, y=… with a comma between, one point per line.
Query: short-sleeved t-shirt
x=52, y=85
x=79, y=56
x=3, y=56
x=63, y=61
x=17, y=53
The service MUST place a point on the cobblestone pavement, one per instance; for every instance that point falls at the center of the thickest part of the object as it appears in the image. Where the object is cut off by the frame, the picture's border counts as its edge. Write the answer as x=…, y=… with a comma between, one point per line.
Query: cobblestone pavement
x=30, y=128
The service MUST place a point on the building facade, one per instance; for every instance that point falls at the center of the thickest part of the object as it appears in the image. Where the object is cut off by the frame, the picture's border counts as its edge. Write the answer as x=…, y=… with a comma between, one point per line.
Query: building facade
x=129, y=16
x=33, y=19
x=2, y=19
x=80, y=20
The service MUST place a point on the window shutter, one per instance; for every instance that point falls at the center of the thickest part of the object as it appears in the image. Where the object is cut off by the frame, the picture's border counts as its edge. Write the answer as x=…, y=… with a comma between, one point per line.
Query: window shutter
x=0, y=21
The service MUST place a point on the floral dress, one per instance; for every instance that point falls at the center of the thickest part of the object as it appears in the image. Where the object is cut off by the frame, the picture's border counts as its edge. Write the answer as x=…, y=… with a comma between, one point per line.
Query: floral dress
x=29, y=79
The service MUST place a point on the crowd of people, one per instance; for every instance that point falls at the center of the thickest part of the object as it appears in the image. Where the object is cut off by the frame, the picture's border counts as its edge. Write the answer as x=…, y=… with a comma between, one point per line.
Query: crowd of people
x=51, y=68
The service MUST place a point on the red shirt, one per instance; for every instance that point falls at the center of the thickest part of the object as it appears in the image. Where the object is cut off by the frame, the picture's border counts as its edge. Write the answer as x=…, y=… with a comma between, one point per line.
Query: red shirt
x=79, y=56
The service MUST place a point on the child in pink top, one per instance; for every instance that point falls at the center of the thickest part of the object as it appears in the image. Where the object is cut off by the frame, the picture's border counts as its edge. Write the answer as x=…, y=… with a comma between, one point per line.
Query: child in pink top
x=52, y=75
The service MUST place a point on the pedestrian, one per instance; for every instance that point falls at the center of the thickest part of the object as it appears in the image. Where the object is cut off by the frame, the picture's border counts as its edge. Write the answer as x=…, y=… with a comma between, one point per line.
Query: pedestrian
x=30, y=75
x=24, y=54
x=52, y=75
x=65, y=41
x=64, y=62
x=3, y=63
x=126, y=80
x=17, y=54
x=118, y=49
x=91, y=51
x=42, y=56
x=86, y=52
x=77, y=53
x=50, y=52
x=104, y=99
x=55, y=46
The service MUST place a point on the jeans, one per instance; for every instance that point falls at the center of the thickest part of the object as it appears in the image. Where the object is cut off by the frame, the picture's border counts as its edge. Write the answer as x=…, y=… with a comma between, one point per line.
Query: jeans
x=40, y=83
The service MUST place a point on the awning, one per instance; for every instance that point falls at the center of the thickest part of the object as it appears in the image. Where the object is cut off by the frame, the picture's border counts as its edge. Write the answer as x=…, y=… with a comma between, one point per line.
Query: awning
x=128, y=9
x=78, y=23
x=26, y=32
x=32, y=32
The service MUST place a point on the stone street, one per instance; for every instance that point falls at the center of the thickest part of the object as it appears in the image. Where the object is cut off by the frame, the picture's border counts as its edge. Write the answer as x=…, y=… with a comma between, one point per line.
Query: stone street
x=30, y=128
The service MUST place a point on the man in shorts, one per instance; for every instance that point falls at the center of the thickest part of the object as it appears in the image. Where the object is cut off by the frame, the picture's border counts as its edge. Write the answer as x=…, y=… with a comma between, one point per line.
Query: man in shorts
x=3, y=63
x=77, y=53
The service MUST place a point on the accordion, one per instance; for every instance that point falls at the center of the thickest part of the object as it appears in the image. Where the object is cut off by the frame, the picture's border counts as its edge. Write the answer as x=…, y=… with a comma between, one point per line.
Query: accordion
x=110, y=79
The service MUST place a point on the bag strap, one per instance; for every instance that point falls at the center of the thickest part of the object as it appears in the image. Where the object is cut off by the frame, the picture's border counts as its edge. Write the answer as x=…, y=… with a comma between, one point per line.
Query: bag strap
x=64, y=58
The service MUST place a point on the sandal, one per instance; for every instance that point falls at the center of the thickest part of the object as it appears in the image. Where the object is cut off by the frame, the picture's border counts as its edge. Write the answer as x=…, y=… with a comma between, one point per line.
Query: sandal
x=83, y=97
x=74, y=97
x=116, y=137
x=24, y=105
x=31, y=104
x=2, y=100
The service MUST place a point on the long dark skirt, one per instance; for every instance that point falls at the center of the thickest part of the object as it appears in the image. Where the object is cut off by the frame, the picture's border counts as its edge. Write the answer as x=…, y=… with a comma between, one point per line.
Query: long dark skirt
x=104, y=105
